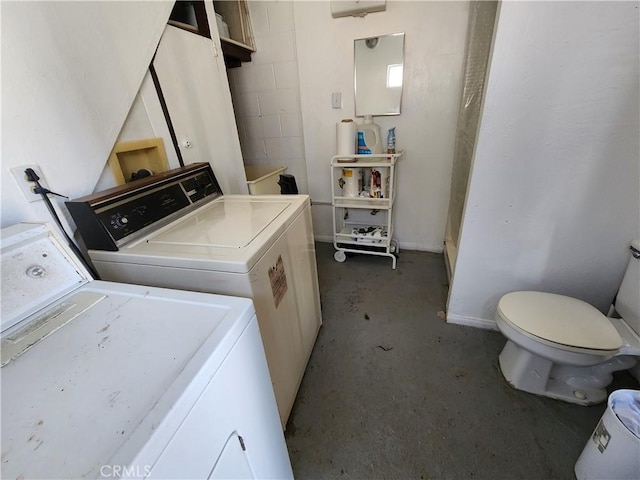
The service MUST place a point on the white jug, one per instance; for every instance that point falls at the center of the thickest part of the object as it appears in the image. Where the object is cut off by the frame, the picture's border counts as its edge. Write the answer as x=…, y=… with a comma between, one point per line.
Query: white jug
x=369, y=139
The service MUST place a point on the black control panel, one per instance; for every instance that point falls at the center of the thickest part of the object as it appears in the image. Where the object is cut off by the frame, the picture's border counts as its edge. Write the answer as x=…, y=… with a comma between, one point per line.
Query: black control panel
x=140, y=212
x=106, y=219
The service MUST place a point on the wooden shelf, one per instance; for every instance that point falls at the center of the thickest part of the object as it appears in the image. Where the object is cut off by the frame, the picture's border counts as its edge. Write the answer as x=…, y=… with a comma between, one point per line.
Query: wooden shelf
x=239, y=43
x=192, y=17
x=235, y=52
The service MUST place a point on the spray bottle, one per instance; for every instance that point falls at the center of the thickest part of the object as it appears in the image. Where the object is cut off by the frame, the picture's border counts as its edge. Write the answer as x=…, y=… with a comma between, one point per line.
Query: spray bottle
x=391, y=140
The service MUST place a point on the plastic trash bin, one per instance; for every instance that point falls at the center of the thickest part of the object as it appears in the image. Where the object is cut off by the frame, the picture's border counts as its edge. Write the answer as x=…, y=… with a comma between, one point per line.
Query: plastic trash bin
x=613, y=450
x=263, y=180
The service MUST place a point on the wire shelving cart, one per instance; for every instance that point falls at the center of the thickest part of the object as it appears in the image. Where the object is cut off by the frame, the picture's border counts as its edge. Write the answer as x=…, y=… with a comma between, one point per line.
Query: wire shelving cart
x=363, y=223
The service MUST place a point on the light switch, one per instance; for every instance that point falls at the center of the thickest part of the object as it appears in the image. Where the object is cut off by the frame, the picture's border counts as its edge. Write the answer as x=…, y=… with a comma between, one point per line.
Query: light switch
x=336, y=100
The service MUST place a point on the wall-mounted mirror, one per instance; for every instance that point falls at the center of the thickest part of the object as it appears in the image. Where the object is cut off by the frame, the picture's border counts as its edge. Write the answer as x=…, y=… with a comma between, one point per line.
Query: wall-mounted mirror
x=378, y=65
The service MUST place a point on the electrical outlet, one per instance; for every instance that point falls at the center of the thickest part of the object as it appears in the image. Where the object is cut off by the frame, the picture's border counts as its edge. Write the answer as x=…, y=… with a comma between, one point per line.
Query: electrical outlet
x=26, y=186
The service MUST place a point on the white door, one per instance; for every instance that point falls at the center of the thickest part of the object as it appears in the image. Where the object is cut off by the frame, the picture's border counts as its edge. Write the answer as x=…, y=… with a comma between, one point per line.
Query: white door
x=195, y=87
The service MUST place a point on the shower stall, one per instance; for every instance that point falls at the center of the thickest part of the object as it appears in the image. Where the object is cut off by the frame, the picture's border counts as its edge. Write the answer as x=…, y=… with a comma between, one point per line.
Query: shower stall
x=482, y=17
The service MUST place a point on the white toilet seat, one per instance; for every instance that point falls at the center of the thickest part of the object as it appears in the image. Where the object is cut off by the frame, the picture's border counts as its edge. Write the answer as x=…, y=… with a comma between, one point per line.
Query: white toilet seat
x=559, y=321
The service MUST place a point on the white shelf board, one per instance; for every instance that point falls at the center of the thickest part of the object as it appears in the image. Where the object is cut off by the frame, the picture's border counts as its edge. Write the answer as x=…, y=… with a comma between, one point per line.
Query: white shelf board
x=346, y=236
x=362, y=202
x=371, y=160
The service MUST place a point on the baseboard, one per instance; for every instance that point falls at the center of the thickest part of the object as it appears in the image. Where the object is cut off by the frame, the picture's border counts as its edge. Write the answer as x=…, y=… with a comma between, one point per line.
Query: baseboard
x=421, y=247
x=323, y=238
x=472, y=322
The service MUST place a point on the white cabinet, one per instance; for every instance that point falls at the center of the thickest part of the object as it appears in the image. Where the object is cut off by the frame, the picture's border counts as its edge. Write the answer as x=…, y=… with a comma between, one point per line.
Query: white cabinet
x=363, y=194
x=232, y=19
x=238, y=43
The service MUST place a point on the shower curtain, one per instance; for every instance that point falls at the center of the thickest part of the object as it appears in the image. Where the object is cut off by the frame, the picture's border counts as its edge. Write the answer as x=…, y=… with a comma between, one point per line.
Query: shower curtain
x=482, y=15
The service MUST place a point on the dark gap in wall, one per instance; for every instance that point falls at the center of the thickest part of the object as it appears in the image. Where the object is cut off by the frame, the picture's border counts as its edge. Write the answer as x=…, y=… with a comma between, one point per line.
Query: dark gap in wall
x=165, y=110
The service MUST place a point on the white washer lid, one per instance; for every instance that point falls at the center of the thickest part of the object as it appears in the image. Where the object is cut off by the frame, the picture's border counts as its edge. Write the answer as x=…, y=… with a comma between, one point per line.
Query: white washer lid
x=37, y=269
x=225, y=224
x=559, y=319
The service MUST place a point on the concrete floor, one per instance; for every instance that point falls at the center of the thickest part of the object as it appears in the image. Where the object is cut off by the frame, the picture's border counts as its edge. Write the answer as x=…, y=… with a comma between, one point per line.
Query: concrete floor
x=392, y=391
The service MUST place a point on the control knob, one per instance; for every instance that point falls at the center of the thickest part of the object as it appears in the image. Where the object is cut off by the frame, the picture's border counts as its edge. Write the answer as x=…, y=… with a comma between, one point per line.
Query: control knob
x=119, y=221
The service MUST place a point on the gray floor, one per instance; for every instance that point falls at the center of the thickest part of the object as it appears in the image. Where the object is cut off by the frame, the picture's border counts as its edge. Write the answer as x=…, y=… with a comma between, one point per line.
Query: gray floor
x=392, y=391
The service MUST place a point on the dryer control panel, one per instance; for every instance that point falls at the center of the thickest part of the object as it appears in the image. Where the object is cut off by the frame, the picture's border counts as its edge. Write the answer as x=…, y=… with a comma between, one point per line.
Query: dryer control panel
x=108, y=219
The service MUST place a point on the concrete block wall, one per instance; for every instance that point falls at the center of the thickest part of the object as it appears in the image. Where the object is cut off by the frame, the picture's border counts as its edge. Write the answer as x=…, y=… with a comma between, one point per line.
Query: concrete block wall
x=266, y=93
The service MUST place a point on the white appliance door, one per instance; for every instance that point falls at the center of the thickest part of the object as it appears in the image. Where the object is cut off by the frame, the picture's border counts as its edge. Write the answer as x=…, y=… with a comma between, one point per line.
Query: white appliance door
x=232, y=462
x=238, y=401
x=37, y=269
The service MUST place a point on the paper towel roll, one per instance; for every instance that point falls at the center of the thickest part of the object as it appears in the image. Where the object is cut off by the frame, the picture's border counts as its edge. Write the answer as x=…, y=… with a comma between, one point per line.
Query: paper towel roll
x=346, y=134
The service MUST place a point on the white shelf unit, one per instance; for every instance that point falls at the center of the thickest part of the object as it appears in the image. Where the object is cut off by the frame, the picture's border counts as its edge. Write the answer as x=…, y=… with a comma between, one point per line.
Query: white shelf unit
x=351, y=225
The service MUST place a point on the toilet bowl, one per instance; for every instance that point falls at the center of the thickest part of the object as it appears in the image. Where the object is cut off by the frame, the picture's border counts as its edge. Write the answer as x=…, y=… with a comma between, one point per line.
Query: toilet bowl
x=564, y=348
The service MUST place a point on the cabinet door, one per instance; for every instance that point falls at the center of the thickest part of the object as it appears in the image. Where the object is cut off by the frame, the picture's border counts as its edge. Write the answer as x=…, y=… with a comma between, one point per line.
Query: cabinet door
x=195, y=87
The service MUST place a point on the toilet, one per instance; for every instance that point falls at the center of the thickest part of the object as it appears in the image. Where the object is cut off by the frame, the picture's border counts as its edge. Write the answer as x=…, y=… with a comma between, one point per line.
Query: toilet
x=564, y=348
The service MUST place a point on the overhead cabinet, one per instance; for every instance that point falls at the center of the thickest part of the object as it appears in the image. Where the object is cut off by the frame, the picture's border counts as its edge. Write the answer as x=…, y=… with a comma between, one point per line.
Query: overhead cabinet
x=233, y=21
x=238, y=44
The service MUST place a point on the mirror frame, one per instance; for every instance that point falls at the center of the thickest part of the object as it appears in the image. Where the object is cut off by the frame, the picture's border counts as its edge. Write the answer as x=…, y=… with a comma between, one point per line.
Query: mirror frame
x=355, y=78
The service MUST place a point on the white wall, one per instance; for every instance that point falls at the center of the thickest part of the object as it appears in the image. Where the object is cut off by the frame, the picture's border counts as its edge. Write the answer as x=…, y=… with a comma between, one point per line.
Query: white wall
x=145, y=120
x=71, y=71
x=266, y=93
x=554, y=194
x=434, y=51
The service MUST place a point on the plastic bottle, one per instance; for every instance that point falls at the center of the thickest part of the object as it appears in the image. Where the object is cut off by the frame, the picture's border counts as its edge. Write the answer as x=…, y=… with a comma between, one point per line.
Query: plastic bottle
x=369, y=140
x=391, y=140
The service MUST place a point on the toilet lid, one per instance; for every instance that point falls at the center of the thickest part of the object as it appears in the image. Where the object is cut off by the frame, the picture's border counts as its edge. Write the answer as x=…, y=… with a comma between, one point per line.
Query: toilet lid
x=559, y=319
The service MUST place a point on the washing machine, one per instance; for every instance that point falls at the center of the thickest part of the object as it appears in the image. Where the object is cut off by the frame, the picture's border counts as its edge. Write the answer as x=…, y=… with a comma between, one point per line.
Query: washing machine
x=178, y=230
x=107, y=380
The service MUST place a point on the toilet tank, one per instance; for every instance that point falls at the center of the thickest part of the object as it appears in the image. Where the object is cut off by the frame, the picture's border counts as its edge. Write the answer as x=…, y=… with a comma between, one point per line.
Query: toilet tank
x=628, y=299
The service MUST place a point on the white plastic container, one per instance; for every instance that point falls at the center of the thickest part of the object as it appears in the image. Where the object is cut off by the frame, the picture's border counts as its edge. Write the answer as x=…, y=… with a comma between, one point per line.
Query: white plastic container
x=263, y=180
x=351, y=182
x=223, y=28
x=369, y=139
x=612, y=451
